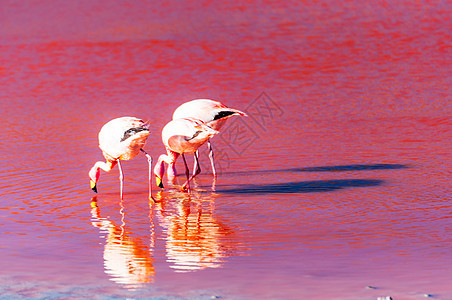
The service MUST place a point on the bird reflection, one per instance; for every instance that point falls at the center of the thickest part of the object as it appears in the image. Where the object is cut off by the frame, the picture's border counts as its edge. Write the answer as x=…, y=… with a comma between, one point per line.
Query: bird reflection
x=126, y=259
x=195, y=239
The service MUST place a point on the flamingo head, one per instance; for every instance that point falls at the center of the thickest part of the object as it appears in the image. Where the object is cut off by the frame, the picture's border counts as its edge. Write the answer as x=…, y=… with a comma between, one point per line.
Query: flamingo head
x=159, y=170
x=94, y=174
x=158, y=180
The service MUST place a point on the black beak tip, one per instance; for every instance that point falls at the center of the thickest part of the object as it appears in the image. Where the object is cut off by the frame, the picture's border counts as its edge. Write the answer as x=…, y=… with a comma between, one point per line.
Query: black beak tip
x=95, y=189
x=161, y=185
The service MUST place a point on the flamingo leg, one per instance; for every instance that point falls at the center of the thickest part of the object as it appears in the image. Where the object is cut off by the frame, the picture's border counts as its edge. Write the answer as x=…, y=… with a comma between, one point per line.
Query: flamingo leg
x=196, y=163
x=121, y=179
x=214, y=183
x=197, y=168
x=187, y=173
x=150, y=173
x=211, y=158
x=196, y=171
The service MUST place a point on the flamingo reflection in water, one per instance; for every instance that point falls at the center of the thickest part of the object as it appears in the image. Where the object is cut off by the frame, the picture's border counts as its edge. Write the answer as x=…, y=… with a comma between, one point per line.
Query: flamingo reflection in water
x=195, y=238
x=126, y=259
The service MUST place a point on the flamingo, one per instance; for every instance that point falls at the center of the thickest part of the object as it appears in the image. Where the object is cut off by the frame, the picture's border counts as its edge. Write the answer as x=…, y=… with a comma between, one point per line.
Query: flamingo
x=120, y=139
x=181, y=136
x=211, y=112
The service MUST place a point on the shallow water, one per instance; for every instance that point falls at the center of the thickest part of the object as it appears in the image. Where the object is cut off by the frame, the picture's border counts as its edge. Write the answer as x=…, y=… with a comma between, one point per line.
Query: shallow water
x=337, y=185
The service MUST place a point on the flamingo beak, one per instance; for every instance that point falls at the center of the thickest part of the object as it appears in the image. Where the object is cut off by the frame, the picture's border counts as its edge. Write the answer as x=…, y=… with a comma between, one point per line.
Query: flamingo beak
x=93, y=186
x=158, y=180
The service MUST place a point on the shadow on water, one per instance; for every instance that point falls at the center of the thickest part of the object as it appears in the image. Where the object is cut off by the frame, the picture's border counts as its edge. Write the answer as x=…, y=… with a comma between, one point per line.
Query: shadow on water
x=303, y=186
x=340, y=168
x=349, y=168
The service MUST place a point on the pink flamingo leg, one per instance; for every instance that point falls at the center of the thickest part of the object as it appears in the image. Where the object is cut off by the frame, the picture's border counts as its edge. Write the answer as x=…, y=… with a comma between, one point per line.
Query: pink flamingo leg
x=195, y=172
x=150, y=173
x=196, y=163
x=187, y=173
x=214, y=182
x=121, y=179
x=211, y=158
x=197, y=168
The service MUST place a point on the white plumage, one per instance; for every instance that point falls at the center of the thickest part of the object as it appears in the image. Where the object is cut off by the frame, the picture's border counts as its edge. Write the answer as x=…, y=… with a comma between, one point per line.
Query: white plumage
x=211, y=112
x=182, y=136
x=120, y=139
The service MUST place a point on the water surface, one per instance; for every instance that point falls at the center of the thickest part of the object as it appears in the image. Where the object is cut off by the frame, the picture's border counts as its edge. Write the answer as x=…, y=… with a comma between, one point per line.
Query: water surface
x=337, y=185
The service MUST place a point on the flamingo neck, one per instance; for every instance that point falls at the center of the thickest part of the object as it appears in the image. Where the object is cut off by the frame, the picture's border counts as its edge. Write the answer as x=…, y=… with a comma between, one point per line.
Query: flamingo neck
x=94, y=173
x=159, y=168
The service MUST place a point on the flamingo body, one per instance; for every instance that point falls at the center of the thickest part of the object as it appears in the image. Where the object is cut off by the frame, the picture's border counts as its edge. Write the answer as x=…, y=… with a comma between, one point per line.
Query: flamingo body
x=186, y=135
x=119, y=139
x=122, y=138
x=211, y=112
x=181, y=136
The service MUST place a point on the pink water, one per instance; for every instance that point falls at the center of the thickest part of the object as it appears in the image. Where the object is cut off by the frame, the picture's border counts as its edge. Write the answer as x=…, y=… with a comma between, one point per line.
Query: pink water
x=337, y=186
